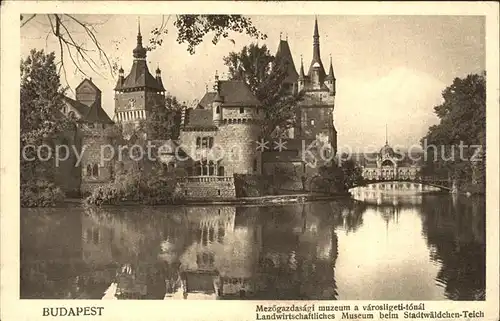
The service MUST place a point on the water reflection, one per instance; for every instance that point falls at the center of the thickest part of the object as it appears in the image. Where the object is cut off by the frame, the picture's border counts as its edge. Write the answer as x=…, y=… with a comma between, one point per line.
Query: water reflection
x=339, y=250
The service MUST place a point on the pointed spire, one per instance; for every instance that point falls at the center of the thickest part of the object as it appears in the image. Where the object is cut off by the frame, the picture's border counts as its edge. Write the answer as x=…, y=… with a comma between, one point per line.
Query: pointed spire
x=139, y=51
x=316, y=60
x=316, y=29
x=331, y=75
x=218, y=98
x=158, y=78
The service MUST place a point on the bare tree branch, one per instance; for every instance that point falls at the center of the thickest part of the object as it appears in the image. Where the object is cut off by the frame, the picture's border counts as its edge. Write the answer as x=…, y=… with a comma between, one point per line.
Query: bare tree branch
x=27, y=20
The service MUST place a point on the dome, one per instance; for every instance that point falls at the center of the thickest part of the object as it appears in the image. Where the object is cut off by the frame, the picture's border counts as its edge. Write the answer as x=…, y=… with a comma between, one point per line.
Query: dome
x=387, y=150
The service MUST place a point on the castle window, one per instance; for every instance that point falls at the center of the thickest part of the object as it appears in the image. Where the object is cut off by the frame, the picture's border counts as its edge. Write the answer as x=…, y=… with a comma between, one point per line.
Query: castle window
x=221, y=171
x=89, y=170
x=255, y=165
x=95, y=170
x=185, y=192
x=217, y=110
x=218, y=192
x=204, y=142
x=211, y=169
x=210, y=142
x=242, y=110
x=198, y=142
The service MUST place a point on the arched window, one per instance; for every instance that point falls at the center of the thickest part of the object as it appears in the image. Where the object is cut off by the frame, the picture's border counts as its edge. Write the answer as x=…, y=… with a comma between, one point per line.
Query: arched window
x=221, y=171
x=204, y=169
x=95, y=170
x=211, y=168
x=217, y=110
x=89, y=170
x=255, y=165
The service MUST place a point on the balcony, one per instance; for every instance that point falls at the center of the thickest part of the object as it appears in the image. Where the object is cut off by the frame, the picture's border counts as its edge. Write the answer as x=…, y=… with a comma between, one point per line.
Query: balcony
x=207, y=179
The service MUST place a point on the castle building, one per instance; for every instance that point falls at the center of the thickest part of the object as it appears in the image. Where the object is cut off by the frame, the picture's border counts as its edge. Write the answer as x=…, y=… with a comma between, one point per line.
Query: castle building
x=139, y=92
x=219, y=136
x=314, y=127
x=88, y=136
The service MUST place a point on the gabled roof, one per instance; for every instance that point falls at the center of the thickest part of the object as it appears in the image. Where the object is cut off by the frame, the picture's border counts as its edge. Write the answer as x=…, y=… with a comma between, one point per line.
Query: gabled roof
x=97, y=115
x=207, y=100
x=89, y=82
x=93, y=114
x=235, y=93
x=82, y=109
x=284, y=55
x=140, y=76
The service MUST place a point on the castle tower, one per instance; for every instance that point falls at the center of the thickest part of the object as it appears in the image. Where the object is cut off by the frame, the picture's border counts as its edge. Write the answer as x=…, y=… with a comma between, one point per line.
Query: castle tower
x=138, y=92
x=316, y=110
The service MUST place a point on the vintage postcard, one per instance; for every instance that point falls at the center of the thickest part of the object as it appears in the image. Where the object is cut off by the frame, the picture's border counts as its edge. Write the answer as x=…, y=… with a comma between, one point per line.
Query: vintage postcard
x=249, y=161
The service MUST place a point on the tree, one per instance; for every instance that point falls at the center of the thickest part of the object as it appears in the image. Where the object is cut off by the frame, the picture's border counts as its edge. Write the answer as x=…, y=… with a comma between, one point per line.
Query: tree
x=462, y=122
x=265, y=74
x=164, y=121
x=191, y=29
x=352, y=173
x=41, y=123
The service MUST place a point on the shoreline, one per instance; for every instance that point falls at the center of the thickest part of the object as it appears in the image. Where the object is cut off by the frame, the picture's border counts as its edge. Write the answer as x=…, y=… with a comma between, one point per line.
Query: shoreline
x=257, y=200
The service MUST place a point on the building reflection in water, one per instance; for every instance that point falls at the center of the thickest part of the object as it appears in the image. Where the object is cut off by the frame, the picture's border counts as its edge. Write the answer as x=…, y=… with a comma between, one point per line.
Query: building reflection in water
x=216, y=252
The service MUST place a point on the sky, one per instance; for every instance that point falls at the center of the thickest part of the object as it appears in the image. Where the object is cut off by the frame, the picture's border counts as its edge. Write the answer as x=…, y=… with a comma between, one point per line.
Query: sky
x=390, y=70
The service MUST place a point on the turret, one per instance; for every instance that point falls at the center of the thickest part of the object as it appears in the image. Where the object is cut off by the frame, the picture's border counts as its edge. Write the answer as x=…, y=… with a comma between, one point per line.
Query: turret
x=218, y=100
x=158, y=79
x=121, y=79
x=330, y=79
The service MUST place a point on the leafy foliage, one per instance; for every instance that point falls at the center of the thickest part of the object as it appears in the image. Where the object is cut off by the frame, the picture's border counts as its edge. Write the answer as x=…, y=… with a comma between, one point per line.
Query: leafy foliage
x=40, y=193
x=352, y=174
x=142, y=181
x=191, y=29
x=462, y=122
x=265, y=76
x=164, y=121
x=41, y=123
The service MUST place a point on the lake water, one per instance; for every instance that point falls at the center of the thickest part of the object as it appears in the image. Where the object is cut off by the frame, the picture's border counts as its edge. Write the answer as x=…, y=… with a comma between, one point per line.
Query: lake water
x=406, y=247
